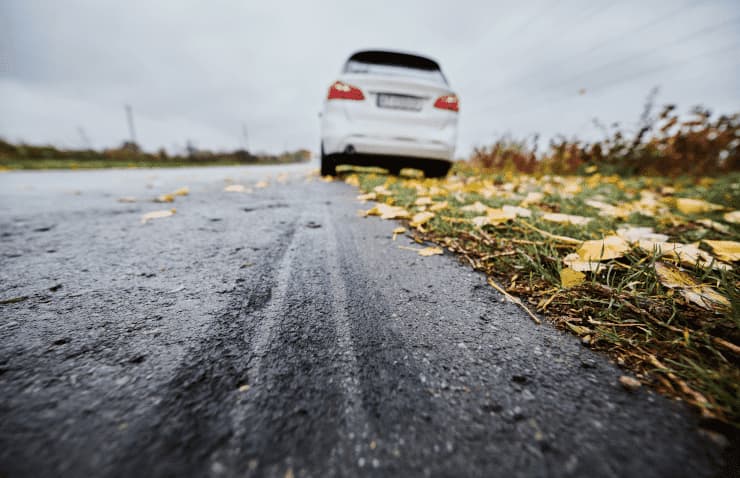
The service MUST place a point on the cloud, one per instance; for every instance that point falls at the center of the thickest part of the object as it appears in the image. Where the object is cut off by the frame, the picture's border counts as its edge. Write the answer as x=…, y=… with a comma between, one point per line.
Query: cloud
x=194, y=70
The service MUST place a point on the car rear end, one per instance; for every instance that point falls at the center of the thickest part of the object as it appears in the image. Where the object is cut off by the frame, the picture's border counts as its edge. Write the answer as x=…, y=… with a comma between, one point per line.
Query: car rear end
x=393, y=110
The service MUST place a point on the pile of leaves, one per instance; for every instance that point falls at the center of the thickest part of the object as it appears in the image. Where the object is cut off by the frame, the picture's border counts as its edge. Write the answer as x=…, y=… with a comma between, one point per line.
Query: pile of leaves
x=642, y=268
x=665, y=144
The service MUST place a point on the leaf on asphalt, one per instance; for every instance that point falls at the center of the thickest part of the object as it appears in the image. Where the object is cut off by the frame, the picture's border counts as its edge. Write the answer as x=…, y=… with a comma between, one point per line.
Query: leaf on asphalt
x=127, y=199
x=157, y=215
x=477, y=207
x=236, y=188
x=439, y=206
x=386, y=211
x=421, y=218
x=423, y=201
x=728, y=251
x=733, y=217
x=353, y=180
x=686, y=254
x=635, y=234
x=367, y=197
x=397, y=231
x=629, y=383
x=714, y=225
x=696, y=206
x=261, y=184
x=517, y=211
x=566, y=219
x=165, y=198
x=430, y=251
x=184, y=191
x=700, y=294
x=571, y=277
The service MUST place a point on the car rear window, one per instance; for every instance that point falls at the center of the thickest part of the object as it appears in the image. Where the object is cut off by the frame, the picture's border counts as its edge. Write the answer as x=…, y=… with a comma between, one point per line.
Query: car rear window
x=395, y=64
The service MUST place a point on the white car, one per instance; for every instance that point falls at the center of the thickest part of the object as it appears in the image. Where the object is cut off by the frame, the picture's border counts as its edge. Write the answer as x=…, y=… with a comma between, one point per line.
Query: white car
x=389, y=109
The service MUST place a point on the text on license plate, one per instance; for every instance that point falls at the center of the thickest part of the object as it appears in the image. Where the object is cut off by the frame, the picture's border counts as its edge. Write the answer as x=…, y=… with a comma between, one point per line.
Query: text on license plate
x=399, y=102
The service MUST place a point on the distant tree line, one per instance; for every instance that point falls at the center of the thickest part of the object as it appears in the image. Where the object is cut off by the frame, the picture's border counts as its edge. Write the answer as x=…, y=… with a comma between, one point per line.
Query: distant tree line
x=132, y=153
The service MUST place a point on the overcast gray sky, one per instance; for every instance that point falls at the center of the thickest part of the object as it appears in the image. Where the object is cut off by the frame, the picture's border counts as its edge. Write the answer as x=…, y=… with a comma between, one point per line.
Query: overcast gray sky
x=199, y=69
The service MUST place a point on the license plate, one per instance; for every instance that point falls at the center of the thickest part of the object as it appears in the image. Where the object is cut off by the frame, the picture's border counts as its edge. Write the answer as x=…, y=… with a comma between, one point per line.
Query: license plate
x=399, y=102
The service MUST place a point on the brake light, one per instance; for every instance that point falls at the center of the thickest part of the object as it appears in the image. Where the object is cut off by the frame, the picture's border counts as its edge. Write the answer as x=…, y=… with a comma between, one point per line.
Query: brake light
x=448, y=102
x=343, y=91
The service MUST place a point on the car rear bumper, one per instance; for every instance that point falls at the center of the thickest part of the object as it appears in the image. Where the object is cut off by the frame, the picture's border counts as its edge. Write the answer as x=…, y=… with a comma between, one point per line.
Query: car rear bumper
x=388, y=146
x=404, y=137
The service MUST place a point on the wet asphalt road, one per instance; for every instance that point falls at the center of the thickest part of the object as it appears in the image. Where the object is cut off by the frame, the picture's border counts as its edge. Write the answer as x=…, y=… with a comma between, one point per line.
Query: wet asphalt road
x=275, y=333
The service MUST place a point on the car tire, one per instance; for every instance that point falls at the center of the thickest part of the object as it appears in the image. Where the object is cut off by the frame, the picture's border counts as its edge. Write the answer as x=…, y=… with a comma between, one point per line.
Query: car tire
x=328, y=168
x=438, y=170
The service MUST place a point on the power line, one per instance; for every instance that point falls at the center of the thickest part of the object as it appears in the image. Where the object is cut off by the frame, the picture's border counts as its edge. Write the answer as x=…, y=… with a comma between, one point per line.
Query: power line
x=698, y=33
x=517, y=31
x=571, y=27
x=598, y=46
x=640, y=74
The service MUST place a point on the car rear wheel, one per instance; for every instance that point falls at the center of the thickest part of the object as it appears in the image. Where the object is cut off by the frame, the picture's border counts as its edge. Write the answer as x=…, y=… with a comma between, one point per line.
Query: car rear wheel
x=437, y=170
x=328, y=168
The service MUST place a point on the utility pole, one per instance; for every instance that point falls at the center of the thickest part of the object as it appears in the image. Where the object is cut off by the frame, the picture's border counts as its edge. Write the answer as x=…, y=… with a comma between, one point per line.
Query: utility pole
x=130, y=118
x=85, y=139
x=245, y=134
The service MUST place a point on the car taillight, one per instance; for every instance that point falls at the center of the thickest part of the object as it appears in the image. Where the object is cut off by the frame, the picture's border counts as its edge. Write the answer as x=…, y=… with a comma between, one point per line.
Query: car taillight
x=343, y=91
x=448, y=102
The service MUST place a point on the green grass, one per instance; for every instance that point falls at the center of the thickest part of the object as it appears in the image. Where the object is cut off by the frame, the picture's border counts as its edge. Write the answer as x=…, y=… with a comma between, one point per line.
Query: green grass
x=625, y=310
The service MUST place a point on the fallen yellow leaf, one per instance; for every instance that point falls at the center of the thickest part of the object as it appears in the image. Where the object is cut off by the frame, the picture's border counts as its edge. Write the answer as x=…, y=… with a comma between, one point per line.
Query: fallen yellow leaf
x=725, y=250
x=235, y=188
x=696, y=206
x=714, y=225
x=566, y=218
x=635, y=234
x=733, y=217
x=165, y=198
x=264, y=184
x=353, y=180
x=610, y=210
x=611, y=247
x=421, y=218
x=477, y=207
x=386, y=211
x=382, y=190
x=436, y=207
x=367, y=197
x=423, y=201
x=517, y=211
x=430, y=251
x=184, y=191
x=571, y=277
x=533, y=198
x=700, y=294
x=574, y=261
x=157, y=215
x=686, y=254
